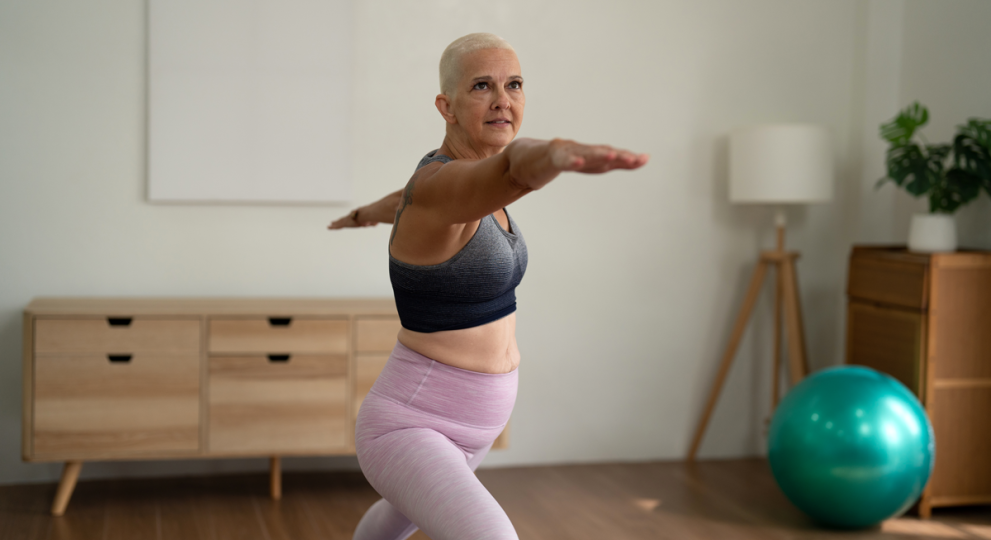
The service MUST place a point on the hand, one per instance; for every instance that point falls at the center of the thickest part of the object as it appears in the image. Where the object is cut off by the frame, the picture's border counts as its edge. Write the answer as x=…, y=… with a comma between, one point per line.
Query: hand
x=593, y=159
x=349, y=221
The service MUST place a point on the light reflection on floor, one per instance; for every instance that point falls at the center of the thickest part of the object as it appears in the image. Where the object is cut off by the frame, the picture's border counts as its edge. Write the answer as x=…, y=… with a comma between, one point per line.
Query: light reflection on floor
x=647, y=504
x=980, y=531
x=933, y=529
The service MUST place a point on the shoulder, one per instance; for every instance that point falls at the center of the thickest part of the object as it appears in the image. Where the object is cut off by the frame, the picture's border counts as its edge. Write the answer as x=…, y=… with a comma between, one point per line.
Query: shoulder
x=433, y=157
x=424, y=172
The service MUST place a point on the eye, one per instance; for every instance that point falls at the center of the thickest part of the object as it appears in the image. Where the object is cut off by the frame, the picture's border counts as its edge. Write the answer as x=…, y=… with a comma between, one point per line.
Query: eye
x=480, y=86
x=516, y=85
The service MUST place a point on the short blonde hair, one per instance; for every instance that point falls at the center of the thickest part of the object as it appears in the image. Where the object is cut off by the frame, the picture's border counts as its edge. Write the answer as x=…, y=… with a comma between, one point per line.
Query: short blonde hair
x=450, y=62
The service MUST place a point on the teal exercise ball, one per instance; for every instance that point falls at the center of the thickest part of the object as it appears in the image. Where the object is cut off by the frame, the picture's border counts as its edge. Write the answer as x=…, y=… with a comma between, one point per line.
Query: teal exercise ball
x=851, y=447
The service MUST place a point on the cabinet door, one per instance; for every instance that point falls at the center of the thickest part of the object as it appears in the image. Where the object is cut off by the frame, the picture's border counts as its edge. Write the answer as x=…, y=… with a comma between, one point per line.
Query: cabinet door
x=961, y=318
x=101, y=406
x=108, y=387
x=278, y=404
x=889, y=340
x=960, y=415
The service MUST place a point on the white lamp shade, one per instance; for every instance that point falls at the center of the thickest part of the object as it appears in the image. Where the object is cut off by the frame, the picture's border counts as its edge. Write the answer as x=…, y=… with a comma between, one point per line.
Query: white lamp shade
x=781, y=163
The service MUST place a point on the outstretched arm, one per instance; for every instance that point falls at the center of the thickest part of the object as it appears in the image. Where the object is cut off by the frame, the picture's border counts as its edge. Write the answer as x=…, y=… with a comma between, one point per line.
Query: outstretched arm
x=466, y=190
x=380, y=211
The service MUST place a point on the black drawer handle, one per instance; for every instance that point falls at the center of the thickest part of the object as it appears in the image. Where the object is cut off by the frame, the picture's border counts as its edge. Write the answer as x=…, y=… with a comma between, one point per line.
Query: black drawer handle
x=279, y=321
x=119, y=358
x=119, y=321
x=278, y=358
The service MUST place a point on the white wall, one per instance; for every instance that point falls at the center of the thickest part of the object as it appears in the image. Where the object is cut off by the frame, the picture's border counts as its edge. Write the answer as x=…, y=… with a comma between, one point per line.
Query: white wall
x=935, y=53
x=634, y=277
x=947, y=67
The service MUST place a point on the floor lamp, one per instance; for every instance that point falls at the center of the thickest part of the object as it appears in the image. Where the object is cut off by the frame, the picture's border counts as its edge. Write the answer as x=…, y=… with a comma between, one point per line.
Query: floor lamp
x=774, y=164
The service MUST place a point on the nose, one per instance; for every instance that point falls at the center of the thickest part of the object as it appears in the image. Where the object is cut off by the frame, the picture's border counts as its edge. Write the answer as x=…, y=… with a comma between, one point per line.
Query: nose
x=501, y=101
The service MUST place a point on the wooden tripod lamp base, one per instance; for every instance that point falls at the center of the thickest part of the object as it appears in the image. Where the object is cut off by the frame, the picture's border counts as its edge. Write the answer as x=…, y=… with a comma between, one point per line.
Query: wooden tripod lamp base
x=785, y=298
x=774, y=164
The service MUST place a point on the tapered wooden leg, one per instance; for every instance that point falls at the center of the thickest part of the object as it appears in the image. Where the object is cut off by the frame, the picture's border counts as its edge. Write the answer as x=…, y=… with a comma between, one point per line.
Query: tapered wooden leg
x=925, y=507
x=70, y=473
x=798, y=365
x=801, y=321
x=778, y=299
x=776, y=370
x=734, y=342
x=275, y=477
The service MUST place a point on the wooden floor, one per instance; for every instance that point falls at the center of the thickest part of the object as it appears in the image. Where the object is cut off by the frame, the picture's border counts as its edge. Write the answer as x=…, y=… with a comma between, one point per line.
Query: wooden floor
x=663, y=500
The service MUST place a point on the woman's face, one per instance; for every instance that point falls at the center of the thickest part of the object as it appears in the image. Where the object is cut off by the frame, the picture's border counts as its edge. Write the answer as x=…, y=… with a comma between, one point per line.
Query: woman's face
x=488, y=102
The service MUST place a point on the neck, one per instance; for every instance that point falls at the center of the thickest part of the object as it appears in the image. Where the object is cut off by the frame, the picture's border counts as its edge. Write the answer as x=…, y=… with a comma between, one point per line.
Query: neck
x=457, y=146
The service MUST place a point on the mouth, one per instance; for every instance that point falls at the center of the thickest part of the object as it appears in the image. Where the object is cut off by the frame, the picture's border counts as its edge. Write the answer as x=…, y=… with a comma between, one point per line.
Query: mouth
x=499, y=122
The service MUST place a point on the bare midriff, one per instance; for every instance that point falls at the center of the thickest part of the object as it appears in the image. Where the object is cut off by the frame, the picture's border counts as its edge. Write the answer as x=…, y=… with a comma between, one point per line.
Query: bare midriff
x=489, y=348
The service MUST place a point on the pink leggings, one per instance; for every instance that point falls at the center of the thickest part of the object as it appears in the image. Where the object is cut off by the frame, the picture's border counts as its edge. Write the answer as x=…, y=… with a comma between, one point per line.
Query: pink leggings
x=420, y=434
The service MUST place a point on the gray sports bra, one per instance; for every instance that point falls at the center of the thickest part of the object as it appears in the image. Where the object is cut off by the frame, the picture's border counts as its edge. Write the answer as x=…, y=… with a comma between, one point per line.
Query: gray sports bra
x=474, y=287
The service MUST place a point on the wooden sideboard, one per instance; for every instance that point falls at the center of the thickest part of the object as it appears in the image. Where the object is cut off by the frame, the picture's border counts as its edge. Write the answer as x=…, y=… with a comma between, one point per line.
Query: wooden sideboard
x=926, y=320
x=169, y=378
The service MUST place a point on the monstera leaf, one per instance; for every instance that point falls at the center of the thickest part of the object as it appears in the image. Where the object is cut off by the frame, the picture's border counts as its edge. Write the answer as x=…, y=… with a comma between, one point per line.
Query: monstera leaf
x=972, y=151
x=958, y=188
x=915, y=169
x=921, y=169
x=900, y=130
x=937, y=155
x=979, y=129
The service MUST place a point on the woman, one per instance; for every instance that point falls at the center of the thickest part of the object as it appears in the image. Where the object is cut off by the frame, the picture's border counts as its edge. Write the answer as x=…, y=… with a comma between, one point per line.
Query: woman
x=455, y=258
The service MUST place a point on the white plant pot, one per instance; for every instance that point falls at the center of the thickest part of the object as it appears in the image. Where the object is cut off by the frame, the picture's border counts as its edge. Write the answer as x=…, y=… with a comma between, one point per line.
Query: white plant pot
x=932, y=233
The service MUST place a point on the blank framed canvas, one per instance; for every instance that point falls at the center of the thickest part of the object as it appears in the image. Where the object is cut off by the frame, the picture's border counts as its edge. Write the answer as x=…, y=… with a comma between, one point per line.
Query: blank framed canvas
x=249, y=101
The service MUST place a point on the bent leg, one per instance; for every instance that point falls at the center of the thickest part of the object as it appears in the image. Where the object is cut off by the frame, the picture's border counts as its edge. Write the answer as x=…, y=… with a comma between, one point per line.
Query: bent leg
x=428, y=479
x=477, y=458
x=383, y=522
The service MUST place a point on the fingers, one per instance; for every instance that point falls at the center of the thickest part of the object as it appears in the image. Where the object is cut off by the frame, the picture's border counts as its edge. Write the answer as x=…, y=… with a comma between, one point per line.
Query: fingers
x=629, y=160
x=345, y=222
x=619, y=159
x=594, y=159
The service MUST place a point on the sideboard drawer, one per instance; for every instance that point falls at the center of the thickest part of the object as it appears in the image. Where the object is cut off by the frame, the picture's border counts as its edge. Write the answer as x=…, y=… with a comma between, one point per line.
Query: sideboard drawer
x=89, y=406
x=278, y=335
x=897, y=282
x=377, y=335
x=278, y=405
x=889, y=340
x=116, y=335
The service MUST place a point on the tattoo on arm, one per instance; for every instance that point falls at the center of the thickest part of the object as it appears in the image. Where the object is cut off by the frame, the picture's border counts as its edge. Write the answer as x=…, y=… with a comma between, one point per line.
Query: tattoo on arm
x=406, y=201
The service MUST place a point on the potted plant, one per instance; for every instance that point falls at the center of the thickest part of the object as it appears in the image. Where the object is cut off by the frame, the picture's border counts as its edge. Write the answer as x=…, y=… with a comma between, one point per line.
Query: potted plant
x=921, y=168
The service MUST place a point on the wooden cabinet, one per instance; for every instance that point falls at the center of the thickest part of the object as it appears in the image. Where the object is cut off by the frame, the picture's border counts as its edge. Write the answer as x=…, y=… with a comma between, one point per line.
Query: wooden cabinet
x=108, y=379
x=295, y=404
x=279, y=385
x=926, y=320
x=115, y=388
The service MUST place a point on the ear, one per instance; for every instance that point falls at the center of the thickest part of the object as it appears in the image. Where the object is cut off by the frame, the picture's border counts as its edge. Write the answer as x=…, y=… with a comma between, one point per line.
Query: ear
x=443, y=104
